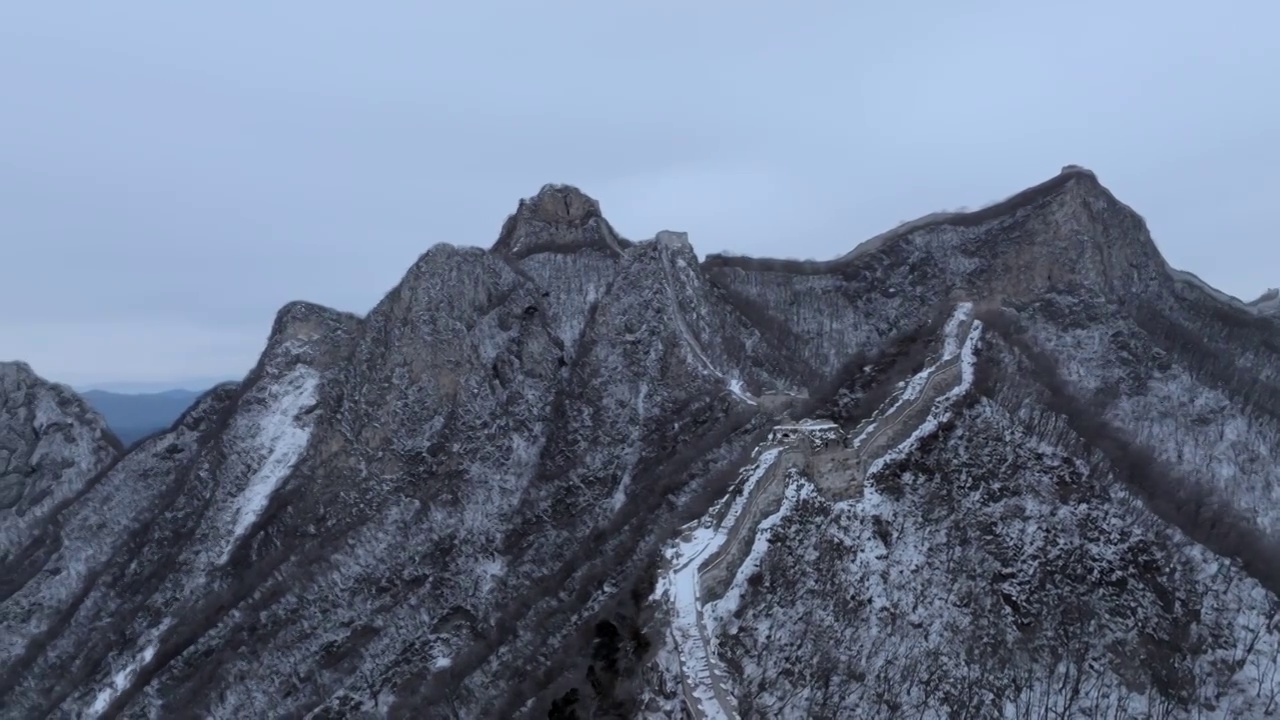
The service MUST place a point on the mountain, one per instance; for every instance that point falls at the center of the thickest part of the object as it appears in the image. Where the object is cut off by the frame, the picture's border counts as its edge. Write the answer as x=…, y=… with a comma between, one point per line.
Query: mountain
x=52, y=444
x=133, y=416
x=1005, y=463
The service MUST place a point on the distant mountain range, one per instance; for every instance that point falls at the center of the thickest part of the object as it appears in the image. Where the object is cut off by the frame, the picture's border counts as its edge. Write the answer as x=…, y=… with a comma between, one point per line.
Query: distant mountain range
x=133, y=416
x=196, y=384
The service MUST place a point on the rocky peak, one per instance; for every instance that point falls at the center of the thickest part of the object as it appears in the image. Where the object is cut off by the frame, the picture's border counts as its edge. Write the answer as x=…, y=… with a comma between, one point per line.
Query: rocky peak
x=1066, y=232
x=564, y=204
x=1270, y=296
x=673, y=244
x=1071, y=233
x=31, y=404
x=16, y=372
x=309, y=333
x=560, y=218
x=51, y=444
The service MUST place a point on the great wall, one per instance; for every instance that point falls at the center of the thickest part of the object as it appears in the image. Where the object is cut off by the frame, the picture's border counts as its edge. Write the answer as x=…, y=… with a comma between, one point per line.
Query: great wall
x=706, y=559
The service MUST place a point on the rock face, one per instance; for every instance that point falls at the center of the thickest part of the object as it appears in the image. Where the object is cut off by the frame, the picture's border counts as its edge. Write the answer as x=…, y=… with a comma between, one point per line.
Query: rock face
x=579, y=476
x=560, y=218
x=51, y=445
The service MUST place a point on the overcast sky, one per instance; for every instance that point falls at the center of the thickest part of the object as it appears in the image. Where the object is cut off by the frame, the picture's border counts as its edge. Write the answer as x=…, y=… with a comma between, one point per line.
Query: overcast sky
x=171, y=173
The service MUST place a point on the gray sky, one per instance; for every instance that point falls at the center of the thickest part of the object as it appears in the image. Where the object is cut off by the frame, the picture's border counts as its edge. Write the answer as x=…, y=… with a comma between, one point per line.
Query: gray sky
x=172, y=173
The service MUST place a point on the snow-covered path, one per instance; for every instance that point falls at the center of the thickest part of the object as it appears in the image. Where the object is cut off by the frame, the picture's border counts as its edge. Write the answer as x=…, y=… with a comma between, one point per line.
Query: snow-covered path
x=705, y=689
x=703, y=545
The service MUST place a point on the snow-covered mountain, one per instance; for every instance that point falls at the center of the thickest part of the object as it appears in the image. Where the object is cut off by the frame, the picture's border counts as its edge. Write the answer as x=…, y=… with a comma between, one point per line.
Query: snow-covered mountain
x=1005, y=463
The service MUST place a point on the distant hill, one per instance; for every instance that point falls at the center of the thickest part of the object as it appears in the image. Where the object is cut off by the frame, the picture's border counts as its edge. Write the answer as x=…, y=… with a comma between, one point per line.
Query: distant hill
x=134, y=416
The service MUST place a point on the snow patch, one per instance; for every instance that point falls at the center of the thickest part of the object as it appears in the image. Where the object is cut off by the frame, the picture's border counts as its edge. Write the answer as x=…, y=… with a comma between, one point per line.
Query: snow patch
x=942, y=407
x=632, y=454
x=282, y=436
x=740, y=391
x=120, y=681
x=915, y=385
x=123, y=678
x=716, y=613
x=704, y=686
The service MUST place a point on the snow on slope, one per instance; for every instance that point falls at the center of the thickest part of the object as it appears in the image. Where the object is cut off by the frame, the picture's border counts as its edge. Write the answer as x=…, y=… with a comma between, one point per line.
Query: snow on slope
x=631, y=453
x=941, y=407
x=706, y=688
x=863, y=605
x=866, y=608
x=719, y=613
x=685, y=559
x=281, y=437
x=910, y=390
x=123, y=677
x=276, y=431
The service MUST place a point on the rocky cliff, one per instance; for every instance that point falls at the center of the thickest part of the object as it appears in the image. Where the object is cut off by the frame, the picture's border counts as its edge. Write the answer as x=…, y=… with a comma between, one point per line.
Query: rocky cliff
x=52, y=444
x=478, y=500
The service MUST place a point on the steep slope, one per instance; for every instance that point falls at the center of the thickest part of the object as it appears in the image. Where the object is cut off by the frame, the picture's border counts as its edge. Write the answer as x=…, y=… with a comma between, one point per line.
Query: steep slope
x=703, y=563
x=51, y=445
x=1179, y=365
x=533, y=443
x=991, y=561
x=576, y=475
x=1133, y=340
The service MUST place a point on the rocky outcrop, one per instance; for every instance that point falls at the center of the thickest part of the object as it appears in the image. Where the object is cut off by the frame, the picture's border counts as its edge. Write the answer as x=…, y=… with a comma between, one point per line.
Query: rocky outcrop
x=560, y=218
x=51, y=445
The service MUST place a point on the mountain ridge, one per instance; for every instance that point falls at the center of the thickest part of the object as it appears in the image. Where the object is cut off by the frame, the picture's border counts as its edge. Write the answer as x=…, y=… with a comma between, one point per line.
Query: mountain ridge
x=532, y=230
x=459, y=504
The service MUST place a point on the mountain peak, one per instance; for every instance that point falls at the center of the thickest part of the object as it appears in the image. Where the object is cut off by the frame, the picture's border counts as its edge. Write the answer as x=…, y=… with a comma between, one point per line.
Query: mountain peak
x=560, y=218
x=17, y=370
x=1068, y=231
x=1073, y=183
x=51, y=443
x=305, y=321
x=564, y=204
x=309, y=333
x=673, y=238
